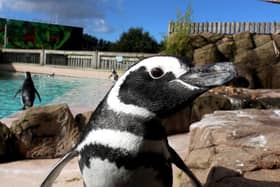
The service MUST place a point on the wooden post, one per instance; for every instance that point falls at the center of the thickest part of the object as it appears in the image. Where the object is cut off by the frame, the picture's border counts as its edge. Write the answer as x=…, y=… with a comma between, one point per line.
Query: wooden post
x=268, y=27
x=201, y=25
x=196, y=27
x=237, y=28
x=191, y=28
x=223, y=27
x=205, y=27
x=262, y=27
x=273, y=27
x=210, y=29
x=258, y=27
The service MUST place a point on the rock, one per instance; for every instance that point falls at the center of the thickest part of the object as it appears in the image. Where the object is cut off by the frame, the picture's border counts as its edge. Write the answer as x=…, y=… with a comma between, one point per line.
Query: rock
x=246, y=65
x=45, y=132
x=243, y=41
x=253, y=54
x=206, y=55
x=221, y=98
x=275, y=70
x=82, y=119
x=266, y=59
x=179, y=122
x=212, y=37
x=230, y=98
x=276, y=38
x=236, y=148
x=226, y=48
x=262, y=39
x=7, y=147
x=198, y=41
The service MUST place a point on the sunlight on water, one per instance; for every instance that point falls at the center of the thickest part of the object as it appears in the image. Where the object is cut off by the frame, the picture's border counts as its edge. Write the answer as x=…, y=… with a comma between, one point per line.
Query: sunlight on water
x=52, y=90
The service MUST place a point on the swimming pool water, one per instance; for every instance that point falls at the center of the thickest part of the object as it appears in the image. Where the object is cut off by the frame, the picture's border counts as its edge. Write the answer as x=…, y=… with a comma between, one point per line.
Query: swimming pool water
x=50, y=89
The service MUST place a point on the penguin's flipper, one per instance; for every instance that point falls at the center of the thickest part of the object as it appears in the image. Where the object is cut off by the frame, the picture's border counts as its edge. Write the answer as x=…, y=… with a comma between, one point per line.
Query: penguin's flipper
x=37, y=93
x=17, y=93
x=50, y=178
x=175, y=159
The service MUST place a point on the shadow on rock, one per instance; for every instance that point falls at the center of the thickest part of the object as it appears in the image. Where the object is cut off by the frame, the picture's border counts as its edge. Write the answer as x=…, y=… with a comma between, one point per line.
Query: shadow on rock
x=224, y=177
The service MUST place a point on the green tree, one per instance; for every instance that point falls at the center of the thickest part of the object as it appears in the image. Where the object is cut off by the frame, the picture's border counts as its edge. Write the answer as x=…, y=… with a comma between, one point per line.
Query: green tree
x=136, y=40
x=178, y=43
x=104, y=45
x=89, y=42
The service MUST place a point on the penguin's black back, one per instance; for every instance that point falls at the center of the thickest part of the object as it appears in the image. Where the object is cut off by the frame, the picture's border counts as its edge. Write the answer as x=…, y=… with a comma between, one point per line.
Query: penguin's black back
x=28, y=92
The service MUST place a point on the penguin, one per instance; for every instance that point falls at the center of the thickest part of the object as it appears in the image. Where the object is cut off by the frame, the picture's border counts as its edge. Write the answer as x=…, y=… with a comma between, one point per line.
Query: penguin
x=28, y=92
x=124, y=143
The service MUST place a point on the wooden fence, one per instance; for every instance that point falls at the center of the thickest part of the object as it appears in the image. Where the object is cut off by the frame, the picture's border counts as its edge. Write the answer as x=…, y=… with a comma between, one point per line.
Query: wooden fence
x=74, y=59
x=226, y=27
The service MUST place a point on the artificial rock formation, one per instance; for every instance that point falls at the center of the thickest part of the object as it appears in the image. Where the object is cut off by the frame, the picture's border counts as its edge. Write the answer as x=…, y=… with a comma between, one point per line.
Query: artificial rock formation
x=236, y=148
x=7, y=146
x=45, y=132
x=222, y=98
x=256, y=56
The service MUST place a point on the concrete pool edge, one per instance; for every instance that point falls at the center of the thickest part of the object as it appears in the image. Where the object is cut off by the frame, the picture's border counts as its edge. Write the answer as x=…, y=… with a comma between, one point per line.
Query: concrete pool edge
x=58, y=70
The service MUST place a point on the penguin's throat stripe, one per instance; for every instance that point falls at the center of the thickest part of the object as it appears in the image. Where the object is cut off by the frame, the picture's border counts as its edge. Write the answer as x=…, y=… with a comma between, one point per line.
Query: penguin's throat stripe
x=124, y=140
x=112, y=138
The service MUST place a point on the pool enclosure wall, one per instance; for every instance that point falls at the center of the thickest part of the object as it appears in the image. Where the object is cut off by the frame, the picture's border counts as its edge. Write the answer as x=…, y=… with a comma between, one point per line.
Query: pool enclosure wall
x=73, y=59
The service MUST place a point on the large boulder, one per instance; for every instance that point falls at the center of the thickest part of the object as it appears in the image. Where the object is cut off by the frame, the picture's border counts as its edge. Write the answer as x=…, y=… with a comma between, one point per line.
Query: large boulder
x=221, y=98
x=231, y=98
x=45, y=132
x=236, y=148
x=225, y=47
x=212, y=37
x=198, y=41
x=261, y=39
x=243, y=41
x=206, y=55
x=266, y=59
x=7, y=146
x=178, y=122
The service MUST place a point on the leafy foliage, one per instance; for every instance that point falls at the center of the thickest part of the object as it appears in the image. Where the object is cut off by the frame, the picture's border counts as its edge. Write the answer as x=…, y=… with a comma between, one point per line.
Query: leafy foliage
x=179, y=42
x=91, y=43
x=136, y=40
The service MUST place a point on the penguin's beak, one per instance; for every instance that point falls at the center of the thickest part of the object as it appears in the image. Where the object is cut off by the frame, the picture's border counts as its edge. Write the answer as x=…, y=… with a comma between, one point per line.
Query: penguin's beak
x=209, y=76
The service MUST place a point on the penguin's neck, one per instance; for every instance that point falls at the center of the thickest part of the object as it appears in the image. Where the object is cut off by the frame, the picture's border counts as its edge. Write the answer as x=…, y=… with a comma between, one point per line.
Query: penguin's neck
x=148, y=127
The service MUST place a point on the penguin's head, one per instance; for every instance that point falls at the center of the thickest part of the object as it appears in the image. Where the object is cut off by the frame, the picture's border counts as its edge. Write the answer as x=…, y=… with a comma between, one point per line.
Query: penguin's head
x=160, y=85
x=27, y=75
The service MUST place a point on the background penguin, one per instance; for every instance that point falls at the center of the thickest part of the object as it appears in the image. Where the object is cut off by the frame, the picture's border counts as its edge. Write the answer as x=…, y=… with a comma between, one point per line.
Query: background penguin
x=124, y=143
x=28, y=92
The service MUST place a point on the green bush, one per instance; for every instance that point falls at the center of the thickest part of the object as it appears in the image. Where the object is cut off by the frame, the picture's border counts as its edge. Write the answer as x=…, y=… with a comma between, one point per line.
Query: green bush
x=178, y=43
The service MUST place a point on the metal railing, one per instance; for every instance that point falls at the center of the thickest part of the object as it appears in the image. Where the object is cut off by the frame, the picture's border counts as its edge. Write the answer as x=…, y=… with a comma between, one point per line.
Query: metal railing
x=73, y=59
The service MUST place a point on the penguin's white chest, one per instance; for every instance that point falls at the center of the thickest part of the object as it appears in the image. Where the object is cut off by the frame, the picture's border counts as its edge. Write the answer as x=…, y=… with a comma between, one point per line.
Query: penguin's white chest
x=119, y=158
x=102, y=173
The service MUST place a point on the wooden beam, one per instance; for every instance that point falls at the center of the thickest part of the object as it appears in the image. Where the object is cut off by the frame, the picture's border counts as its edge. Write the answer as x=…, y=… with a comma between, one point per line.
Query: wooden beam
x=273, y=1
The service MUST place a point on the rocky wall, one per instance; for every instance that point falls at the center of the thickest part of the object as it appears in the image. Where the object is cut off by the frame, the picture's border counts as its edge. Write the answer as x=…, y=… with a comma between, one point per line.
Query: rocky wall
x=256, y=56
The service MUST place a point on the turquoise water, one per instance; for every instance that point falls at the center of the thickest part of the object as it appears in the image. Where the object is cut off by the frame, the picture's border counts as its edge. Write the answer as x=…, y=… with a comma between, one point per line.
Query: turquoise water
x=50, y=89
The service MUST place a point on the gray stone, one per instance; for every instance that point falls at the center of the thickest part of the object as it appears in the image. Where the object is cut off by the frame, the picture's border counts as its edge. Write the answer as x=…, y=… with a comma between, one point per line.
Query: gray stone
x=236, y=148
x=45, y=132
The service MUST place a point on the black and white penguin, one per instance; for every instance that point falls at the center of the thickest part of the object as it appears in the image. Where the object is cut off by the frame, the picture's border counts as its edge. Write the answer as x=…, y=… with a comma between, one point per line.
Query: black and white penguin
x=124, y=143
x=28, y=92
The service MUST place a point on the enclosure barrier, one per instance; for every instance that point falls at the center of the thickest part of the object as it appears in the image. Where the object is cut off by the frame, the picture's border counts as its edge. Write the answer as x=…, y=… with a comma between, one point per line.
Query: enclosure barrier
x=74, y=59
x=225, y=27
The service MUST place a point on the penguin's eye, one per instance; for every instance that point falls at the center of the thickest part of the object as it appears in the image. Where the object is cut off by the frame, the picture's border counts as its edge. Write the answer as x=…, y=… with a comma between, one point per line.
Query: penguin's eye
x=156, y=73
